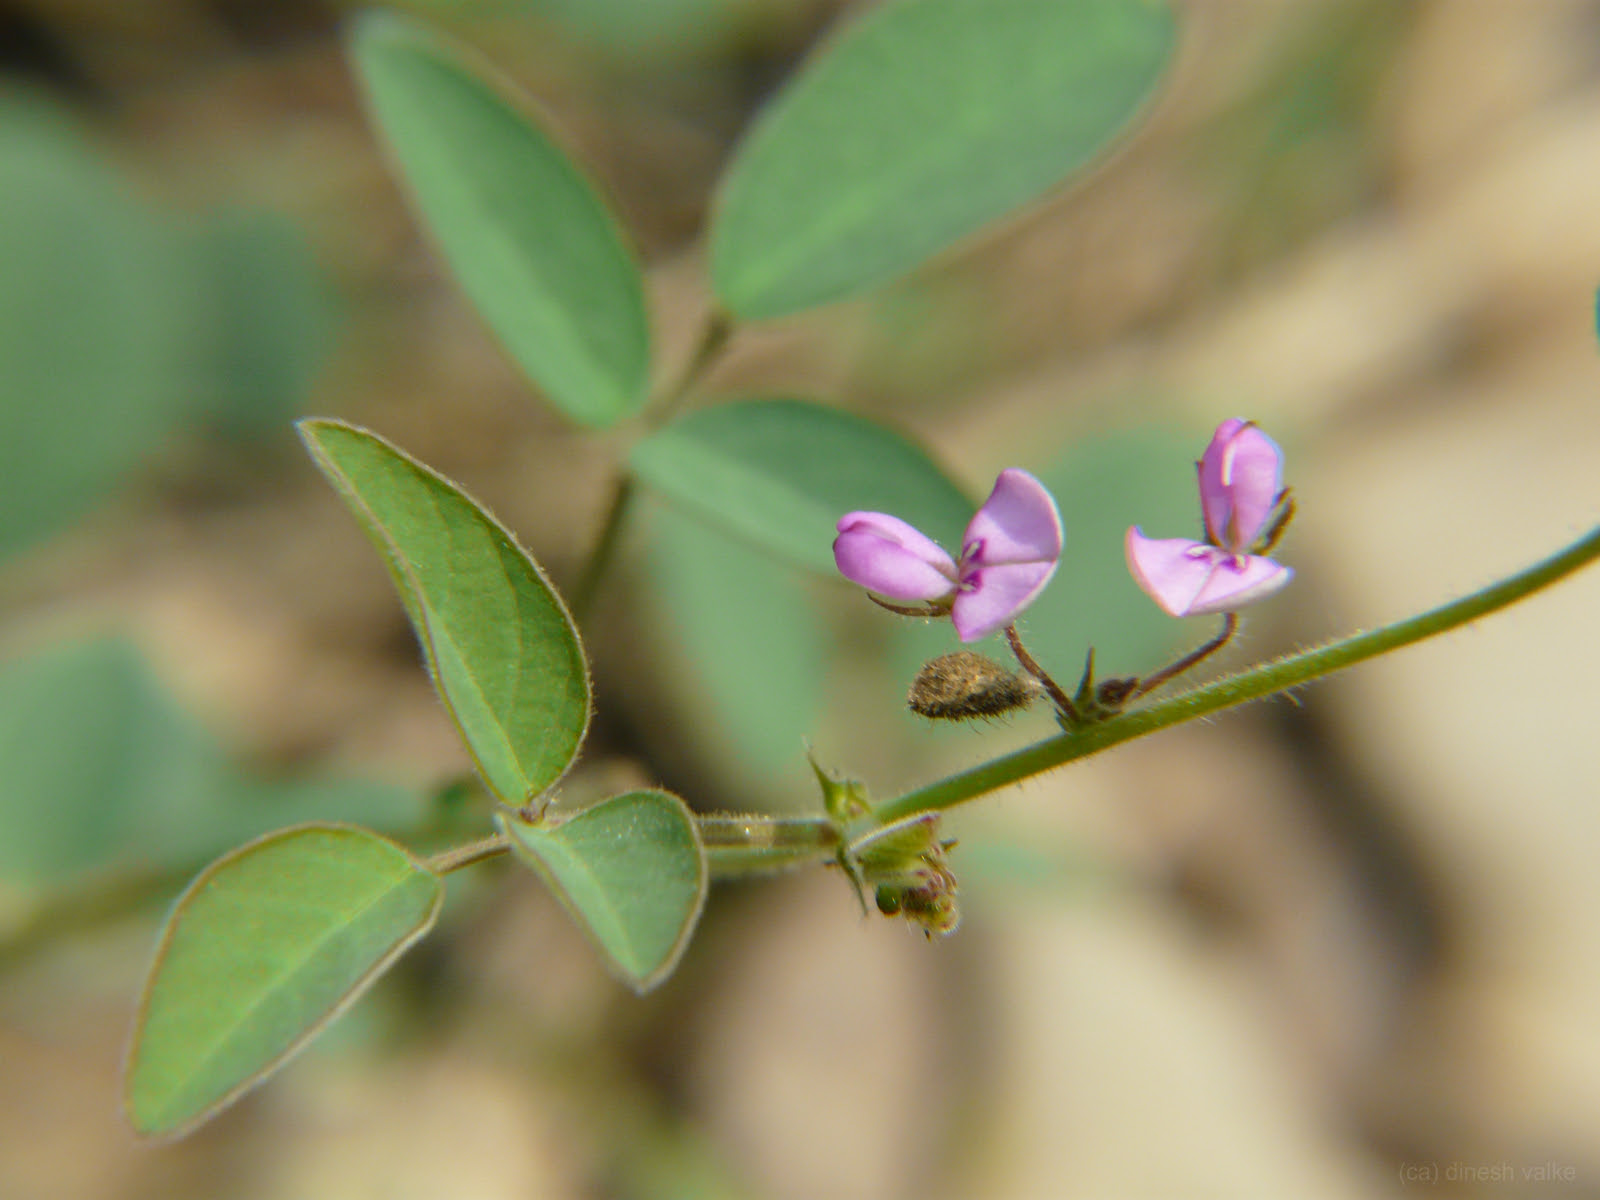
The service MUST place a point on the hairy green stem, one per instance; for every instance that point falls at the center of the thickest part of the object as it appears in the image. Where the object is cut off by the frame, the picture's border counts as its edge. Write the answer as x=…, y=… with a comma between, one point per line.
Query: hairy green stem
x=737, y=846
x=1276, y=676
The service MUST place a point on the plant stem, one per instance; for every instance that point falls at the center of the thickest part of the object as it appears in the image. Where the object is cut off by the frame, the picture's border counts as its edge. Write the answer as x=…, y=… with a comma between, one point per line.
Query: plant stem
x=737, y=846
x=457, y=857
x=713, y=337
x=1286, y=672
x=605, y=546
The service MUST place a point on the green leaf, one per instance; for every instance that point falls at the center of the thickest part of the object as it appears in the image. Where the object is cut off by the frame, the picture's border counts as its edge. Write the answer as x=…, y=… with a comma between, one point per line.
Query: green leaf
x=631, y=870
x=917, y=125
x=528, y=238
x=267, y=945
x=780, y=473
x=503, y=650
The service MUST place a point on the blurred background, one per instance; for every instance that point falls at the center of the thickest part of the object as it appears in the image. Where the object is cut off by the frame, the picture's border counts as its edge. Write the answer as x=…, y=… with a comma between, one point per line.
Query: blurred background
x=1342, y=944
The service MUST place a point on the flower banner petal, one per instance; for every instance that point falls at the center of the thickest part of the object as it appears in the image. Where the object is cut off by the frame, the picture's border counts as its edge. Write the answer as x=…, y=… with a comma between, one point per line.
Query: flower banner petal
x=1241, y=475
x=1019, y=522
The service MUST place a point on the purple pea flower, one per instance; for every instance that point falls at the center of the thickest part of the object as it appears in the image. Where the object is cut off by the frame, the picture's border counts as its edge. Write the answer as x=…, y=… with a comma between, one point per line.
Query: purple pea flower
x=1240, y=490
x=1008, y=553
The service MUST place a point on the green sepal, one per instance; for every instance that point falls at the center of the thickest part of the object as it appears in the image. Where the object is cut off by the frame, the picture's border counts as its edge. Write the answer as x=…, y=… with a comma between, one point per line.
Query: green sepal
x=843, y=799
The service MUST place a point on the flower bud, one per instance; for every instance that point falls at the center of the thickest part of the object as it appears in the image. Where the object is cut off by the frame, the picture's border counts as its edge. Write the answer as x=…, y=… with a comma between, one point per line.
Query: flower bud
x=906, y=866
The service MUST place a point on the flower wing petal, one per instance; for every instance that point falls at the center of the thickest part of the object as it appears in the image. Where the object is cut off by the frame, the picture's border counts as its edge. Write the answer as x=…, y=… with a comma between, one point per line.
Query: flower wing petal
x=1172, y=571
x=1018, y=523
x=886, y=555
x=1237, y=582
x=997, y=595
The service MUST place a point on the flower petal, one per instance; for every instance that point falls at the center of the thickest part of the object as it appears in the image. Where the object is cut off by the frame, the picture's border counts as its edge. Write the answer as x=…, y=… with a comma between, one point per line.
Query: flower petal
x=886, y=555
x=1172, y=571
x=1241, y=476
x=996, y=596
x=1019, y=522
x=1238, y=581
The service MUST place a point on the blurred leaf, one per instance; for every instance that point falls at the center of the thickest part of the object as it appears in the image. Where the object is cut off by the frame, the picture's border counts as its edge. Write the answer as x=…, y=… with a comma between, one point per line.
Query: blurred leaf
x=671, y=29
x=529, y=240
x=91, y=752
x=631, y=870
x=94, y=325
x=267, y=945
x=504, y=653
x=1103, y=486
x=100, y=769
x=781, y=473
x=917, y=125
x=748, y=646
x=116, y=325
x=269, y=314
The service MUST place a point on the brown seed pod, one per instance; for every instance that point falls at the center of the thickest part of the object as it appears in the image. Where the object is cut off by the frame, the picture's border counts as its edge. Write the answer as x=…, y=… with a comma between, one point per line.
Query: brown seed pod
x=958, y=686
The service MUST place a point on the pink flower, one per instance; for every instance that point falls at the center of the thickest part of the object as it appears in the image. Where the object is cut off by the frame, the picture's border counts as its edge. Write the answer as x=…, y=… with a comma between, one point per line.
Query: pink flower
x=1008, y=553
x=1240, y=490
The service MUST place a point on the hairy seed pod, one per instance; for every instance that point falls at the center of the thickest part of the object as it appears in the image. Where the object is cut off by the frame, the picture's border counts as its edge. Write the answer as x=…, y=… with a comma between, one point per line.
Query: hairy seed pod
x=958, y=686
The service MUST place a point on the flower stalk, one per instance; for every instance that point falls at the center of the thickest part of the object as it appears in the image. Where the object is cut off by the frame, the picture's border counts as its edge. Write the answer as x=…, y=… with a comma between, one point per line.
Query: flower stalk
x=1063, y=702
x=1230, y=626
